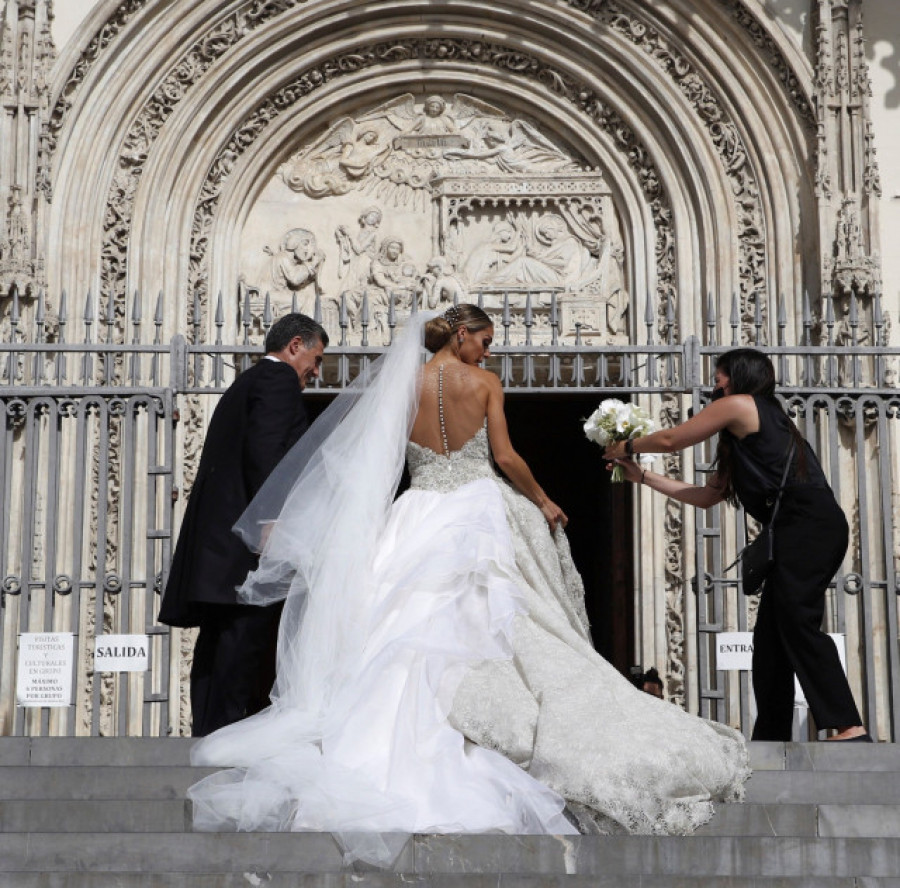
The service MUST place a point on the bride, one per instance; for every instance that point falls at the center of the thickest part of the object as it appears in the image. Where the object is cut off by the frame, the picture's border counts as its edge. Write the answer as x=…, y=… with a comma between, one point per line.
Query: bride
x=435, y=671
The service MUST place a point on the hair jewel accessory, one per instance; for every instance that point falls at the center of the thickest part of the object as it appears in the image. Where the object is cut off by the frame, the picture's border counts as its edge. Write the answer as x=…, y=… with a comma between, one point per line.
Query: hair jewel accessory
x=451, y=315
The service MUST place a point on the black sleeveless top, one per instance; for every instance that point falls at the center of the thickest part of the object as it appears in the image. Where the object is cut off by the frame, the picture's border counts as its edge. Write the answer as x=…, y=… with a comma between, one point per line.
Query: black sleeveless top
x=759, y=461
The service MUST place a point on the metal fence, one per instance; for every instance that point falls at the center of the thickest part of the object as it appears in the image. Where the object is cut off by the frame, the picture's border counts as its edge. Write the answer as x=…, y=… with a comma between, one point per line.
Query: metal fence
x=98, y=435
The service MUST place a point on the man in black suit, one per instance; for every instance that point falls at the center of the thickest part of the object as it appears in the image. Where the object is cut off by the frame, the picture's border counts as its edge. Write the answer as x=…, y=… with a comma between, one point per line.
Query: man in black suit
x=258, y=419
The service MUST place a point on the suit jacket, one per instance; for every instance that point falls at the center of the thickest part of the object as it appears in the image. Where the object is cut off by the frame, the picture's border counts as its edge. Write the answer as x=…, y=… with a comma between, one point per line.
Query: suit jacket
x=258, y=419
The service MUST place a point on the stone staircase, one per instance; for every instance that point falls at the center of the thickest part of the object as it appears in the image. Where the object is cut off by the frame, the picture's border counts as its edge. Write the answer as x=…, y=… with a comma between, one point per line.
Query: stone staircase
x=111, y=813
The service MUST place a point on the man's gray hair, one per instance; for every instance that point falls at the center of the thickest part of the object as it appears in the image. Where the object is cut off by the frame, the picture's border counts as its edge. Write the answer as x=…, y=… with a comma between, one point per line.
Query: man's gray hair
x=285, y=329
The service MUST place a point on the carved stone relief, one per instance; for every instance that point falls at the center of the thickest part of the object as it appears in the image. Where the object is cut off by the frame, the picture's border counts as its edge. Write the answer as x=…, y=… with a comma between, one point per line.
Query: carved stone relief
x=414, y=204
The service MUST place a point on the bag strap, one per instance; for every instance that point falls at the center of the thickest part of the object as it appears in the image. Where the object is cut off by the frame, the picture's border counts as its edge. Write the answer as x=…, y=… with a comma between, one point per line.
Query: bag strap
x=787, y=466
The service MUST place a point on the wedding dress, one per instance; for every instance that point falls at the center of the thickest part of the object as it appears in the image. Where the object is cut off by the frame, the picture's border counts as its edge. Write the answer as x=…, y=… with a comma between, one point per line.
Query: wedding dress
x=435, y=672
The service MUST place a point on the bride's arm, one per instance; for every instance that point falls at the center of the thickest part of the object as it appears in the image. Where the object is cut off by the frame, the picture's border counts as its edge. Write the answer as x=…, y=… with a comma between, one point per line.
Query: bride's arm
x=510, y=463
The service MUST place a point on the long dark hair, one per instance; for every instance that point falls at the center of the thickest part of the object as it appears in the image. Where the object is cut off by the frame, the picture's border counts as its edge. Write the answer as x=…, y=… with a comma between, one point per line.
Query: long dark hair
x=750, y=372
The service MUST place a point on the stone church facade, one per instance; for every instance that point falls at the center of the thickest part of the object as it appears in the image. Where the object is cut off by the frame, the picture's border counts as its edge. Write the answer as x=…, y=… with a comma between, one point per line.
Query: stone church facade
x=628, y=188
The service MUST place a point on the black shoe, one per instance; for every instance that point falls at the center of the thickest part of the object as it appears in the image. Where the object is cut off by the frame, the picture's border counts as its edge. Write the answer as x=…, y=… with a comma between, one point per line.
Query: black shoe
x=862, y=738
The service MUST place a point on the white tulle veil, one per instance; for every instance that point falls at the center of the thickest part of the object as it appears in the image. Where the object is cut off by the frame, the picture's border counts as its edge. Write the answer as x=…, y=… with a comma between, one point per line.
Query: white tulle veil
x=316, y=520
x=377, y=627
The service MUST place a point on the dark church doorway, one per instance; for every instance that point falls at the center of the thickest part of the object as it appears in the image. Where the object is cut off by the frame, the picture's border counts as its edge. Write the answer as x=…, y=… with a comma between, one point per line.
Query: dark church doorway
x=547, y=431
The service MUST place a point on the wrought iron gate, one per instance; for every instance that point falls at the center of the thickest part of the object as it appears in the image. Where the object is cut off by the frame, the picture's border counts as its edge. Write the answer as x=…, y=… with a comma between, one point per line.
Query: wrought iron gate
x=97, y=437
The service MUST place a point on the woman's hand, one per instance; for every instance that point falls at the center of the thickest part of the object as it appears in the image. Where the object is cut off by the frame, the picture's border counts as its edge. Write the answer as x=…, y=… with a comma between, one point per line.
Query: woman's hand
x=630, y=469
x=554, y=514
x=615, y=450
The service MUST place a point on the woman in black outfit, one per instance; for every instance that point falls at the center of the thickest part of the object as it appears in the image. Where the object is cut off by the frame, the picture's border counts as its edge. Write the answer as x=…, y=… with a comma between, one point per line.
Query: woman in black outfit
x=811, y=534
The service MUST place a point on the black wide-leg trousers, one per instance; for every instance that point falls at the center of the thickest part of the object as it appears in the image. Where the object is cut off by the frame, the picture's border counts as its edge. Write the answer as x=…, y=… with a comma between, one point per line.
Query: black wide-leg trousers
x=811, y=536
x=234, y=664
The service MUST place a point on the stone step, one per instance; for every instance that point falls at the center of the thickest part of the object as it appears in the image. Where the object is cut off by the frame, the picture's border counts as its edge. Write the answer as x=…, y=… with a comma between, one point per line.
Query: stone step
x=823, y=787
x=174, y=816
x=586, y=856
x=149, y=782
x=90, y=782
x=96, y=816
x=175, y=752
x=826, y=756
x=100, y=751
x=408, y=880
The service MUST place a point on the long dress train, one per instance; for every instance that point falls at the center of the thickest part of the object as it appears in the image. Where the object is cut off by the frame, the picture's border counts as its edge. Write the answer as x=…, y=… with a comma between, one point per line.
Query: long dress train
x=435, y=672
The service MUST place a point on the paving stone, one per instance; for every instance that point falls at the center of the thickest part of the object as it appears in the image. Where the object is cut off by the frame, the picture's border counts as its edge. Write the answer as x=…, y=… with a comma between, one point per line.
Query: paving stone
x=871, y=821
x=98, y=816
x=111, y=751
x=14, y=751
x=824, y=787
x=761, y=820
x=766, y=756
x=836, y=756
x=113, y=782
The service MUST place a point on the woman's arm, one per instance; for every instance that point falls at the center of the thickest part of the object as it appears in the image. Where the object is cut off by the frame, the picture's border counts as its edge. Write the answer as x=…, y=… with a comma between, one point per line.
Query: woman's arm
x=710, y=494
x=737, y=413
x=510, y=463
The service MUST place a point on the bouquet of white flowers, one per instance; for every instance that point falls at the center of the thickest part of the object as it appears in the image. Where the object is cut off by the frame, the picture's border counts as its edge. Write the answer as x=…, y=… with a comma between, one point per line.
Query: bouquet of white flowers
x=616, y=420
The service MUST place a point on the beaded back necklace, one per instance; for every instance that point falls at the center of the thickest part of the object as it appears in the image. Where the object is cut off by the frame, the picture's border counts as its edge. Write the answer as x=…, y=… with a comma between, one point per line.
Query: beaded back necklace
x=441, y=410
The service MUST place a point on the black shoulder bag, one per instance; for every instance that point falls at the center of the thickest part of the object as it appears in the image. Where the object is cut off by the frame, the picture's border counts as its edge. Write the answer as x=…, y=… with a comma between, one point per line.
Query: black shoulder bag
x=758, y=558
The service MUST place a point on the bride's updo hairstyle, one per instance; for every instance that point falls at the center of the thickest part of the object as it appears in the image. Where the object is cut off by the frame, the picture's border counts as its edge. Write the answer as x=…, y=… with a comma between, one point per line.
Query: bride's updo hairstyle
x=440, y=330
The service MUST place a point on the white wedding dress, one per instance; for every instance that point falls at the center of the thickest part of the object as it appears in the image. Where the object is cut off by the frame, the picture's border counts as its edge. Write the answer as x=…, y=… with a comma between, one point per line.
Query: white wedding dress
x=453, y=688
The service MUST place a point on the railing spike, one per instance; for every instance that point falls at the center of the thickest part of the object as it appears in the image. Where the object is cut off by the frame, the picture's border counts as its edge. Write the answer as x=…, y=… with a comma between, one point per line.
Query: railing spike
x=40, y=314
x=158, y=314
x=220, y=310
x=267, y=312
x=89, y=308
x=136, y=308
x=63, y=308
x=294, y=302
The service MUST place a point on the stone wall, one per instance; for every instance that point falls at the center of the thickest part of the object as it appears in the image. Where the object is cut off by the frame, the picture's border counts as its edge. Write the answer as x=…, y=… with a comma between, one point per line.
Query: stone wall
x=640, y=167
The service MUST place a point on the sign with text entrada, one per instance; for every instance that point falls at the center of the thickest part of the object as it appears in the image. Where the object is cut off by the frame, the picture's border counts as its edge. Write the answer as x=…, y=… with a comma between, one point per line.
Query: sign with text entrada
x=734, y=650
x=44, y=674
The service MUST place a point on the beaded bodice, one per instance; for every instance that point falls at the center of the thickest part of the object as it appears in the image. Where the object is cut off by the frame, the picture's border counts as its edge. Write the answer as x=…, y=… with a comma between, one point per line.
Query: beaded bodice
x=434, y=471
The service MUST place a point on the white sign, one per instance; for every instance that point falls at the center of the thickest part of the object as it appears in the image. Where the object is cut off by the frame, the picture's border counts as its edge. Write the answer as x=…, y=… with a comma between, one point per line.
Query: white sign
x=839, y=643
x=734, y=650
x=44, y=674
x=121, y=653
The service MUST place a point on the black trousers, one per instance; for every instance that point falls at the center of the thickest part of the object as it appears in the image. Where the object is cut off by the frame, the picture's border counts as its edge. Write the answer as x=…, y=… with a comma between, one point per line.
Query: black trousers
x=234, y=664
x=810, y=541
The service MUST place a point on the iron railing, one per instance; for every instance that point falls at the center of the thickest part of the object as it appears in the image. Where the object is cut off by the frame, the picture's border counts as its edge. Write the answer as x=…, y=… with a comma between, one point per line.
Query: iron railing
x=97, y=437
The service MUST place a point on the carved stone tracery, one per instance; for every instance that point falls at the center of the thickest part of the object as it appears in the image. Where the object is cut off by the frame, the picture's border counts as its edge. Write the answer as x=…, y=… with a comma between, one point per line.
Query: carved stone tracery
x=724, y=135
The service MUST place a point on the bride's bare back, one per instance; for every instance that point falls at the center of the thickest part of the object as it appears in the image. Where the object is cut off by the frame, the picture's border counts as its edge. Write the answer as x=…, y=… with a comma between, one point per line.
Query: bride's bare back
x=465, y=393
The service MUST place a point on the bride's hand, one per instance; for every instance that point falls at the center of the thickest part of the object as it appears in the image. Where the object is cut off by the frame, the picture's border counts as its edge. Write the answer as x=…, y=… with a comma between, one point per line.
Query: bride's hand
x=554, y=514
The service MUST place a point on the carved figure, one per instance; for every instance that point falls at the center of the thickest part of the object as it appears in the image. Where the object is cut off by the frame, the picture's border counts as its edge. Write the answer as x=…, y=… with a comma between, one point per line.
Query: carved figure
x=397, y=148
x=515, y=146
x=295, y=266
x=440, y=285
x=357, y=253
x=393, y=273
x=487, y=260
x=559, y=249
x=435, y=119
x=338, y=161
